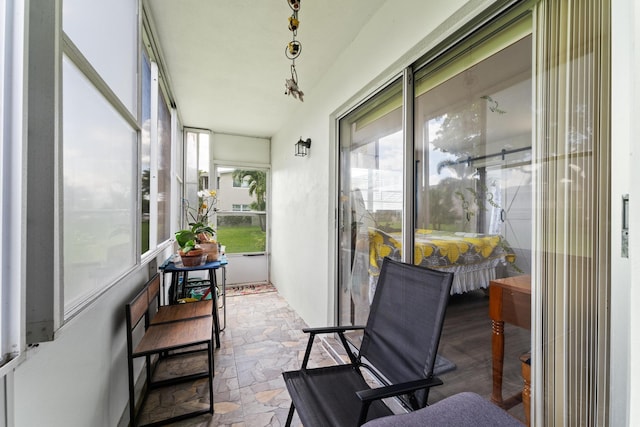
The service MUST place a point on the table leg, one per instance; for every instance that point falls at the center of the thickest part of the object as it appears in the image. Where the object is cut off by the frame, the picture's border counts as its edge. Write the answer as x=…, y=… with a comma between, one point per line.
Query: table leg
x=173, y=289
x=213, y=289
x=526, y=390
x=223, y=272
x=497, y=353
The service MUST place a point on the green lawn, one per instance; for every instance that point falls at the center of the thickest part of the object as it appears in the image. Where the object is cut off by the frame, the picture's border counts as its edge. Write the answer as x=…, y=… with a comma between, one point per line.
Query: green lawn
x=241, y=239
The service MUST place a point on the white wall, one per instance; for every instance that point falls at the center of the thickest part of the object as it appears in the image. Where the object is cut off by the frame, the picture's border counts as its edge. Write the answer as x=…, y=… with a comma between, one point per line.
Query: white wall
x=304, y=188
x=632, y=282
x=80, y=378
x=231, y=149
x=622, y=121
x=625, y=294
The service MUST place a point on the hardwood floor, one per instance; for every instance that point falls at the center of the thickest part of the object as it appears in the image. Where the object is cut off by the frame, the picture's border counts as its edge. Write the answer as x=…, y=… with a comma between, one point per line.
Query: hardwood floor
x=466, y=341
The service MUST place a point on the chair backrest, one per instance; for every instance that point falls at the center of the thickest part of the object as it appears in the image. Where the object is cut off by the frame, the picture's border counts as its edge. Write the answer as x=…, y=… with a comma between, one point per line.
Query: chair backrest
x=154, y=290
x=403, y=330
x=137, y=309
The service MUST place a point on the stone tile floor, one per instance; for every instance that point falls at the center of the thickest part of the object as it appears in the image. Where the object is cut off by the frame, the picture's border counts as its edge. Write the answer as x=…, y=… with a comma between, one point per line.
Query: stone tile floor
x=262, y=339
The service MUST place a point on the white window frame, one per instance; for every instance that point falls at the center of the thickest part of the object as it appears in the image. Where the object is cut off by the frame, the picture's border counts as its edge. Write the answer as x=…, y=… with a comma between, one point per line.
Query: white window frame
x=159, y=88
x=12, y=281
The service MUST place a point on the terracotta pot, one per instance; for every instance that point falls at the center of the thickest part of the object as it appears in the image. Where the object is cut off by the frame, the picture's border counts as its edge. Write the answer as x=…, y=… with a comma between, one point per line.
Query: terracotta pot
x=192, y=258
x=211, y=249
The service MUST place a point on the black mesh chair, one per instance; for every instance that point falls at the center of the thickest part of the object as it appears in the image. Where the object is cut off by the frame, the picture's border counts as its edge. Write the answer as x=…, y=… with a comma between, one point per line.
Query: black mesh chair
x=398, y=347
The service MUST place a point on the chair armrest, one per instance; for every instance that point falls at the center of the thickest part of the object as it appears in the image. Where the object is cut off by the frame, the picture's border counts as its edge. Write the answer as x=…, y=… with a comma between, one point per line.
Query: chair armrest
x=397, y=389
x=331, y=329
x=340, y=330
x=393, y=390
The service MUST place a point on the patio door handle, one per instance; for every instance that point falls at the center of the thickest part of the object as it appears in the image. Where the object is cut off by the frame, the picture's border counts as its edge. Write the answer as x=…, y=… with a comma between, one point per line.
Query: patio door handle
x=625, y=226
x=503, y=215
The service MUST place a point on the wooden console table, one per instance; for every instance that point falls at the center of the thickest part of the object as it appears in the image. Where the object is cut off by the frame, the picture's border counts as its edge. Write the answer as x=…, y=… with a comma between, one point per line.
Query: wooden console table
x=509, y=301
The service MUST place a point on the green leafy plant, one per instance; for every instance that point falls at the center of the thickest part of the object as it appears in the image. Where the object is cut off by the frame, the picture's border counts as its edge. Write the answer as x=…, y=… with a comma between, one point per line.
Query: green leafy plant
x=186, y=239
x=199, y=217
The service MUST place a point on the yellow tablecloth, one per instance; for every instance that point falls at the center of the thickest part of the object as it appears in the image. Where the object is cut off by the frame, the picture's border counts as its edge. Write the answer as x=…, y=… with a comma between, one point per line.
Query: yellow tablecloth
x=473, y=254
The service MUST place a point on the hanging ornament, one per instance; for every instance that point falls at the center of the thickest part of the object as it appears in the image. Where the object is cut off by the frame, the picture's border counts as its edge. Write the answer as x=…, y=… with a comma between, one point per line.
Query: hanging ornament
x=293, y=23
x=294, y=5
x=292, y=51
x=291, y=85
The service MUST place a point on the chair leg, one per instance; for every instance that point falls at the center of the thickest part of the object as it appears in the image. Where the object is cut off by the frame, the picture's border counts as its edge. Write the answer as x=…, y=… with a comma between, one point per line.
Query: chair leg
x=211, y=373
x=292, y=408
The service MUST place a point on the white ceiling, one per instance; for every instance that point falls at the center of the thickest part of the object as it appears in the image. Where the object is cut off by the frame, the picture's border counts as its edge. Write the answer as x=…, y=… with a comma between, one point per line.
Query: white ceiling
x=226, y=60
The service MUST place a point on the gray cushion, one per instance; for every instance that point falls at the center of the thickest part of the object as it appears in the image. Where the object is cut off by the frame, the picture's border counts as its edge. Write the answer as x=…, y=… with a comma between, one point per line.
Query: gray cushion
x=460, y=410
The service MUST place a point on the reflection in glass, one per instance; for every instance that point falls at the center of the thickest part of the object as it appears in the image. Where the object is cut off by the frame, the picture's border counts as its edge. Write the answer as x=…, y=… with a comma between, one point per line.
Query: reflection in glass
x=371, y=182
x=474, y=174
x=164, y=169
x=106, y=32
x=145, y=154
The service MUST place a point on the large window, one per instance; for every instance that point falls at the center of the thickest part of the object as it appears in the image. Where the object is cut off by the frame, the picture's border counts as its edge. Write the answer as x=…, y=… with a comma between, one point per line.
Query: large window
x=145, y=153
x=11, y=191
x=106, y=32
x=156, y=154
x=242, y=210
x=164, y=167
x=99, y=148
x=196, y=170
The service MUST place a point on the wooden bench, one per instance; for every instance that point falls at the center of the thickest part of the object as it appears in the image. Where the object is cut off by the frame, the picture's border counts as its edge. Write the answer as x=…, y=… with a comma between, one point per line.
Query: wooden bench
x=173, y=312
x=173, y=328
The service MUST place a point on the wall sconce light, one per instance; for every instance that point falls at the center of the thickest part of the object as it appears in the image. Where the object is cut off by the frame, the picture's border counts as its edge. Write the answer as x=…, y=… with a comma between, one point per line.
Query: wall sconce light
x=302, y=147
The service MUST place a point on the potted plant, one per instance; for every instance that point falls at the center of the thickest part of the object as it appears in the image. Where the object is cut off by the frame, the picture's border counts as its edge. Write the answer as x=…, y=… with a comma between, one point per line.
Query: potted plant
x=205, y=238
x=200, y=235
x=189, y=251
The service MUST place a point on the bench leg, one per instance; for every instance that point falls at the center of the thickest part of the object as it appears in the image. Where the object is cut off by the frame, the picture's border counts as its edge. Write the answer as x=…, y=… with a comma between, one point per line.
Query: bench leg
x=210, y=356
x=132, y=397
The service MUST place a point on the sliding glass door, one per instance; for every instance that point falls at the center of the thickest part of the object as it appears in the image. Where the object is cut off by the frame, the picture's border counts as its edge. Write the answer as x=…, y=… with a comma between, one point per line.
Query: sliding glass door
x=473, y=136
x=371, y=150
x=472, y=172
x=508, y=177
x=437, y=169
